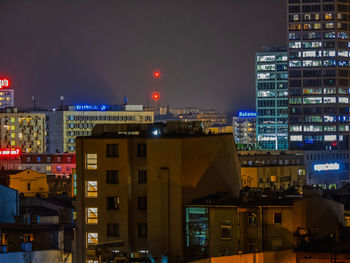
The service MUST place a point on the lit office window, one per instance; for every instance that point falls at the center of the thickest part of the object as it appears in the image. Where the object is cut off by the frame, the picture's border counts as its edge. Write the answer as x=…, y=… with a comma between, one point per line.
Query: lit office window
x=312, y=100
x=312, y=128
x=92, y=238
x=296, y=128
x=296, y=138
x=91, y=188
x=329, y=100
x=91, y=161
x=327, y=118
x=330, y=138
x=343, y=100
x=91, y=215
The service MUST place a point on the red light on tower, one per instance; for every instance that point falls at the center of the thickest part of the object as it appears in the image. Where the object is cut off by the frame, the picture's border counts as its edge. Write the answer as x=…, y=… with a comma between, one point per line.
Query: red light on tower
x=155, y=96
x=156, y=74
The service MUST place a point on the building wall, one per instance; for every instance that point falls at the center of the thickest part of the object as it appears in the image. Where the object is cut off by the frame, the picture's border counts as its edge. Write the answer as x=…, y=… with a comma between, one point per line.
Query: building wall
x=7, y=98
x=23, y=130
x=178, y=171
x=9, y=202
x=277, y=177
x=29, y=183
x=53, y=256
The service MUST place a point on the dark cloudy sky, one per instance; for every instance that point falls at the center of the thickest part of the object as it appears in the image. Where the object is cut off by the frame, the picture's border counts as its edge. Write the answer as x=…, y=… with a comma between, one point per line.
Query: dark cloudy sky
x=93, y=51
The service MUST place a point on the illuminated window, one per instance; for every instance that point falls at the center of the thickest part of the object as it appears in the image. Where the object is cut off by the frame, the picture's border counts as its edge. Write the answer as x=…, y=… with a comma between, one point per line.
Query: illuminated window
x=330, y=138
x=343, y=100
x=329, y=25
x=330, y=128
x=91, y=188
x=312, y=128
x=91, y=215
x=343, y=53
x=296, y=128
x=295, y=64
x=329, y=118
x=13, y=135
x=344, y=128
x=307, y=26
x=312, y=100
x=277, y=218
x=328, y=16
x=48, y=167
x=329, y=91
x=13, y=143
x=92, y=238
x=13, y=120
x=329, y=35
x=329, y=100
x=226, y=229
x=13, y=127
x=273, y=178
x=295, y=44
x=266, y=58
x=91, y=161
x=317, y=26
x=296, y=138
x=92, y=261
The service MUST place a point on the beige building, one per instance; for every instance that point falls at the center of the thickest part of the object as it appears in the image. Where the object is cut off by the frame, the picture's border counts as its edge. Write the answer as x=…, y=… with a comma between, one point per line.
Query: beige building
x=133, y=180
x=65, y=126
x=30, y=183
x=279, y=177
x=23, y=130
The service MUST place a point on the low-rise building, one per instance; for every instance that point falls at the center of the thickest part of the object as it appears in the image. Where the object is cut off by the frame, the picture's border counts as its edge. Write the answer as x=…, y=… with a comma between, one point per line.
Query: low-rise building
x=30, y=183
x=132, y=182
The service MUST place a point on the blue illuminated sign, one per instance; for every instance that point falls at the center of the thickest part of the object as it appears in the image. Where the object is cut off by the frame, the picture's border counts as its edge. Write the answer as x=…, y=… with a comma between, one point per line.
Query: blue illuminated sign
x=90, y=107
x=326, y=167
x=246, y=114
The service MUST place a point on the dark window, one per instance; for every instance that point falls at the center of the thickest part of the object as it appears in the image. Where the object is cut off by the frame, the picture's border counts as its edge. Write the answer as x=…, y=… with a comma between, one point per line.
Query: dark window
x=28, y=186
x=113, y=203
x=142, y=230
x=142, y=177
x=113, y=230
x=112, y=177
x=251, y=219
x=277, y=218
x=294, y=9
x=112, y=150
x=141, y=150
x=142, y=203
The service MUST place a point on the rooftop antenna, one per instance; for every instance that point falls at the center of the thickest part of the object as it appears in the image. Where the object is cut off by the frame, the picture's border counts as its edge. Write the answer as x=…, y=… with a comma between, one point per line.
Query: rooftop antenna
x=34, y=104
x=61, y=102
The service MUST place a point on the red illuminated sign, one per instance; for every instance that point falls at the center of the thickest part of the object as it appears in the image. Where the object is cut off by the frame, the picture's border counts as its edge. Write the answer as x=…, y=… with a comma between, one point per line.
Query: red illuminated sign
x=155, y=95
x=4, y=83
x=10, y=152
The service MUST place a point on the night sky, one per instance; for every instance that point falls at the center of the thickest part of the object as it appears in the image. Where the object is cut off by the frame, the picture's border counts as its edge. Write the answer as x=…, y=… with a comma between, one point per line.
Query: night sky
x=94, y=51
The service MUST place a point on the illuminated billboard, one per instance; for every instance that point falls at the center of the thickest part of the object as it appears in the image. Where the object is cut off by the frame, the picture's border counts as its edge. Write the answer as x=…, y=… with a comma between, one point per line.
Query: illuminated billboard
x=4, y=83
x=320, y=167
x=246, y=114
x=13, y=152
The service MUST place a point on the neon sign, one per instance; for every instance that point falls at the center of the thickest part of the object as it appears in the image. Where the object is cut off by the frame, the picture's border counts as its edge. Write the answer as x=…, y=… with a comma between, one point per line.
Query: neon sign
x=10, y=152
x=246, y=114
x=89, y=107
x=4, y=83
x=326, y=167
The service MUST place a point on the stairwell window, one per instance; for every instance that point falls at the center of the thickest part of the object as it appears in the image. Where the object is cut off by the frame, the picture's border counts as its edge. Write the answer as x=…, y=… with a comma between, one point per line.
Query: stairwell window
x=91, y=161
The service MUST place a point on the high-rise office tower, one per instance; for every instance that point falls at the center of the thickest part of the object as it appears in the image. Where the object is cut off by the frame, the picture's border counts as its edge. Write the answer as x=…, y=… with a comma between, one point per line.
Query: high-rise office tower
x=272, y=99
x=318, y=53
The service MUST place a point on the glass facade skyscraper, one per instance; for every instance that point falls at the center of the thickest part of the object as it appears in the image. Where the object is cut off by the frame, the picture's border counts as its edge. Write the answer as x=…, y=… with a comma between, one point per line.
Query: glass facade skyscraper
x=272, y=99
x=318, y=54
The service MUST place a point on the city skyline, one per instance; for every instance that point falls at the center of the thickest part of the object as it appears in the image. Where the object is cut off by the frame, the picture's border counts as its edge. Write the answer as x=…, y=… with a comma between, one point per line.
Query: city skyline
x=95, y=54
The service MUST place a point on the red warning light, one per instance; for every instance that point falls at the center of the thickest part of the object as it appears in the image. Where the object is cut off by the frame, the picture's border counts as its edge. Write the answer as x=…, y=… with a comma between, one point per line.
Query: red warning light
x=156, y=74
x=155, y=95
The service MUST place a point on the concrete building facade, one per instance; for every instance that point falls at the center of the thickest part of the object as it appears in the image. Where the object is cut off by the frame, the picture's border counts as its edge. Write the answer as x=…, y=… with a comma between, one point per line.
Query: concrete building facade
x=132, y=182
